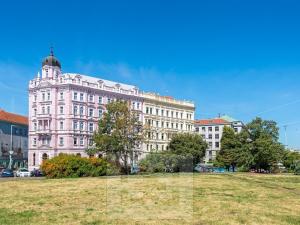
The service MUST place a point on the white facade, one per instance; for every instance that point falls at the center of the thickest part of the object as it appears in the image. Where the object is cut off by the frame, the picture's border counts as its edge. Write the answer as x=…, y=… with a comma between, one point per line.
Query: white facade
x=211, y=131
x=164, y=117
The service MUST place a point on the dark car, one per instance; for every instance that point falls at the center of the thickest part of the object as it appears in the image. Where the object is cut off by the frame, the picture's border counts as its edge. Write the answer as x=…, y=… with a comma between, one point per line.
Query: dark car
x=37, y=173
x=7, y=173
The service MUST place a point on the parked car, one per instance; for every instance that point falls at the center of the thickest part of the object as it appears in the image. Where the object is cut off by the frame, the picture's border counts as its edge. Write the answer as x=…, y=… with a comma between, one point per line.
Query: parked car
x=7, y=173
x=37, y=173
x=23, y=173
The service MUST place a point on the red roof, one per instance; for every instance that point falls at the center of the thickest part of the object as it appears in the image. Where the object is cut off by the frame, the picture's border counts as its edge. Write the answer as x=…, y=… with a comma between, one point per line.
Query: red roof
x=211, y=122
x=13, y=118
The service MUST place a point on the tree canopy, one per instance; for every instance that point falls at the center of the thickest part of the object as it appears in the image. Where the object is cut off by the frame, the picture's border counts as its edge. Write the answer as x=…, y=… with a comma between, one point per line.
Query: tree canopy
x=119, y=134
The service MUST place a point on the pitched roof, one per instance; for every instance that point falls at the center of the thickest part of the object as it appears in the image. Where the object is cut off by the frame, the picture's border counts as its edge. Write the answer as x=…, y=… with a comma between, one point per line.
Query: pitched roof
x=228, y=118
x=13, y=118
x=211, y=122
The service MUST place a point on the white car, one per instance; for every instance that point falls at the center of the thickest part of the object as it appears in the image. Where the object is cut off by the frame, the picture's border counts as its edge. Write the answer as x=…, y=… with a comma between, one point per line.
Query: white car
x=23, y=173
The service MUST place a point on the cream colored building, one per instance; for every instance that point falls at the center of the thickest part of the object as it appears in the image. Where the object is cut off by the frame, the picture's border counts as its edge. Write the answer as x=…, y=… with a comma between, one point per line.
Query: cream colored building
x=163, y=117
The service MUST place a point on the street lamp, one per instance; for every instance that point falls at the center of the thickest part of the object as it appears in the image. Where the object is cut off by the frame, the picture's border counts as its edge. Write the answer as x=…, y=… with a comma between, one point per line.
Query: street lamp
x=11, y=152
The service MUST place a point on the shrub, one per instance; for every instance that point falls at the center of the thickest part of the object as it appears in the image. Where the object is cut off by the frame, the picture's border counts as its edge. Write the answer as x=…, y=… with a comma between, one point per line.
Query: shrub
x=297, y=168
x=67, y=165
x=166, y=162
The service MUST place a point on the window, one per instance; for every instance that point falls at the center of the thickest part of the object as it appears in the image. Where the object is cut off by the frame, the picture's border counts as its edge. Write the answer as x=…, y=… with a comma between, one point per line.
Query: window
x=172, y=125
x=61, y=141
x=33, y=159
x=75, y=125
x=75, y=96
x=75, y=109
x=162, y=124
x=167, y=124
x=167, y=113
x=34, y=112
x=217, y=136
x=210, y=129
x=176, y=114
x=138, y=105
x=133, y=105
x=81, y=96
x=209, y=136
x=46, y=72
x=235, y=129
x=61, y=110
x=91, y=127
x=217, y=144
x=216, y=128
x=81, y=110
x=100, y=113
x=203, y=129
x=45, y=156
x=43, y=110
x=81, y=141
x=157, y=111
x=81, y=125
x=147, y=110
x=197, y=129
x=210, y=144
x=91, y=98
x=91, y=112
x=61, y=95
x=43, y=96
x=150, y=110
x=61, y=125
x=181, y=126
x=34, y=142
x=34, y=126
x=35, y=98
x=48, y=109
x=48, y=96
x=157, y=136
x=172, y=114
x=181, y=115
x=157, y=123
x=75, y=141
x=162, y=137
x=100, y=100
x=176, y=125
x=162, y=112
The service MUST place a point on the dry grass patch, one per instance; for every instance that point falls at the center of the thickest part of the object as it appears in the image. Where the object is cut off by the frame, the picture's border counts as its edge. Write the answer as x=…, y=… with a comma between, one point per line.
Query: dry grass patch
x=153, y=199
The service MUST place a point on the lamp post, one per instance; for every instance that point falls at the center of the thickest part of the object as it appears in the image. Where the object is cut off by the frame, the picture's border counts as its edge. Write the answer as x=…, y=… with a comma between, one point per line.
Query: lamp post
x=11, y=152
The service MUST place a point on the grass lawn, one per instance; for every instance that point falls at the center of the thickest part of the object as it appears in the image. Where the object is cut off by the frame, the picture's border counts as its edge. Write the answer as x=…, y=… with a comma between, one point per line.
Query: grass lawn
x=154, y=199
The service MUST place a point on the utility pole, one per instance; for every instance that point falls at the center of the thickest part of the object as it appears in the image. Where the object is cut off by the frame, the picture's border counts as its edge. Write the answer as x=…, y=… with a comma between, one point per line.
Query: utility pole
x=285, y=136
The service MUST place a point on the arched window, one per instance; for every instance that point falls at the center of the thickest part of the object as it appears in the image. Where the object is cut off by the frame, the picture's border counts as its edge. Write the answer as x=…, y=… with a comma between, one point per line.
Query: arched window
x=45, y=156
x=33, y=159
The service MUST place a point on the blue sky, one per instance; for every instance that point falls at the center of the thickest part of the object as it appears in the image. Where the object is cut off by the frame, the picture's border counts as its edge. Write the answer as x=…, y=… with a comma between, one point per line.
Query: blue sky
x=240, y=58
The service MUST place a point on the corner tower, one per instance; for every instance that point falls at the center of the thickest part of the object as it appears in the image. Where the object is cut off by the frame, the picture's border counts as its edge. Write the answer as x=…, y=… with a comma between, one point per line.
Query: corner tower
x=51, y=67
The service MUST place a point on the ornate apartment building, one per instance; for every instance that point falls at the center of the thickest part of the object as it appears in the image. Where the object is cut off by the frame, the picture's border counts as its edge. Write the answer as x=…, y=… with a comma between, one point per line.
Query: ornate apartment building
x=211, y=131
x=64, y=109
x=164, y=117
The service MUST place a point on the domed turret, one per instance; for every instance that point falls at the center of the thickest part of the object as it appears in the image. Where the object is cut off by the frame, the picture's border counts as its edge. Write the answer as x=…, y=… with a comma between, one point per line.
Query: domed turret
x=51, y=60
x=51, y=67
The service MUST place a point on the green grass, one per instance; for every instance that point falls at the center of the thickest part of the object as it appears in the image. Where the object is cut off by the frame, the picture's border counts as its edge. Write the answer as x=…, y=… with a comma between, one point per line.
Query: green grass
x=153, y=199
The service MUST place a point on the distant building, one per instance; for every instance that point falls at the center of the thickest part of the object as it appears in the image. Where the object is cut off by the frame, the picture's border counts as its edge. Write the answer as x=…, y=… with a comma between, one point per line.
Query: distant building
x=163, y=117
x=13, y=135
x=211, y=131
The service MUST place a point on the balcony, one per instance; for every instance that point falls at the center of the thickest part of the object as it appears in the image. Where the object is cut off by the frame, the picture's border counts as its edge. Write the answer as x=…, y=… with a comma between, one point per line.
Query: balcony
x=44, y=116
x=43, y=131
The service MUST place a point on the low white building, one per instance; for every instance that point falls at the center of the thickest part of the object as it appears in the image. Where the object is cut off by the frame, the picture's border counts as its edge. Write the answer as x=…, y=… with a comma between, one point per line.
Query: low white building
x=211, y=131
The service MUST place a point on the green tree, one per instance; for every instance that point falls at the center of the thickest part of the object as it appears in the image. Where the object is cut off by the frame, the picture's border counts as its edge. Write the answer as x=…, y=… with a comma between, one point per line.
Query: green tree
x=260, y=140
x=290, y=159
x=229, y=154
x=119, y=134
x=186, y=144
